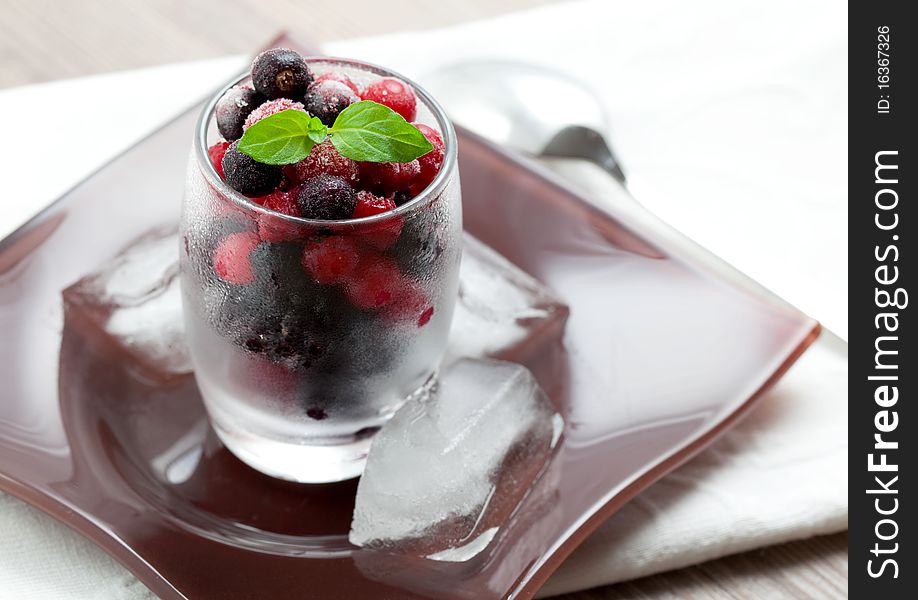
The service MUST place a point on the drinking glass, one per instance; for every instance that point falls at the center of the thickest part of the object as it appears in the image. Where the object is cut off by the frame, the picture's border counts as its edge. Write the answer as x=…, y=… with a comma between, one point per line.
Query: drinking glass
x=298, y=371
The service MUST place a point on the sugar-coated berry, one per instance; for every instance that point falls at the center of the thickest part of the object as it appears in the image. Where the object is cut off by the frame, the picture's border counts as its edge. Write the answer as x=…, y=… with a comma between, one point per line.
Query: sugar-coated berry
x=388, y=177
x=431, y=162
x=331, y=259
x=216, y=153
x=324, y=159
x=247, y=176
x=326, y=99
x=233, y=108
x=275, y=229
x=327, y=197
x=383, y=234
x=283, y=202
x=378, y=235
x=369, y=204
x=231, y=258
x=393, y=93
x=340, y=78
x=271, y=107
x=281, y=73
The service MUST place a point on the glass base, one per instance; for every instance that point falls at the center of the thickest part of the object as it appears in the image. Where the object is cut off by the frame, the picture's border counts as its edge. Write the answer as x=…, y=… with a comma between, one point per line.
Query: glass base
x=294, y=455
x=342, y=459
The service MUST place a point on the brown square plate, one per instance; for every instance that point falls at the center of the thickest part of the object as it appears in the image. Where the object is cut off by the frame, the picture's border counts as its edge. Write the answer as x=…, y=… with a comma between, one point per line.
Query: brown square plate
x=659, y=357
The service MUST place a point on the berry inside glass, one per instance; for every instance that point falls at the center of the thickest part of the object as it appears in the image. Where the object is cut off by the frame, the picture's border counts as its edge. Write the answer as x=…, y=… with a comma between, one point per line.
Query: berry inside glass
x=317, y=295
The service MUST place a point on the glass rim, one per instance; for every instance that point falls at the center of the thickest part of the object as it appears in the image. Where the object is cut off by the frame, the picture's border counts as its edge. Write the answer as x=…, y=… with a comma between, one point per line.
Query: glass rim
x=427, y=195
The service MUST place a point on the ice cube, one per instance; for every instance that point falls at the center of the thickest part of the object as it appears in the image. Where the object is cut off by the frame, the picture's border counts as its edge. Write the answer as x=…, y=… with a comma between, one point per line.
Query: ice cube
x=452, y=466
x=501, y=309
x=135, y=299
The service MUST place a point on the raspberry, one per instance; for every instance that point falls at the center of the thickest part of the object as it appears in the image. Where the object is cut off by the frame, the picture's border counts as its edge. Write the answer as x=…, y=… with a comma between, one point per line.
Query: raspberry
x=332, y=259
x=216, y=153
x=281, y=73
x=275, y=229
x=324, y=159
x=377, y=284
x=327, y=197
x=326, y=100
x=340, y=78
x=393, y=93
x=247, y=176
x=282, y=202
x=411, y=305
x=431, y=162
x=233, y=108
x=378, y=235
x=231, y=258
x=271, y=107
x=368, y=204
x=387, y=177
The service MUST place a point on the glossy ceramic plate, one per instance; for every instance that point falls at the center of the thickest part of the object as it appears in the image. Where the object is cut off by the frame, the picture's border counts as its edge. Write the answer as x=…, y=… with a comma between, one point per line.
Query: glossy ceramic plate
x=659, y=356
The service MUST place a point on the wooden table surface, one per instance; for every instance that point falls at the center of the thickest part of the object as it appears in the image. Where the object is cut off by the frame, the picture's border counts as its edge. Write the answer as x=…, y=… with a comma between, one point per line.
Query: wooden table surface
x=42, y=40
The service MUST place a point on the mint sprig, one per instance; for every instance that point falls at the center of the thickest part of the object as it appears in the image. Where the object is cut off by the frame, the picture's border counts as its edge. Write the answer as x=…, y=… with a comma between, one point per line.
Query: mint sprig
x=283, y=138
x=373, y=132
x=364, y=131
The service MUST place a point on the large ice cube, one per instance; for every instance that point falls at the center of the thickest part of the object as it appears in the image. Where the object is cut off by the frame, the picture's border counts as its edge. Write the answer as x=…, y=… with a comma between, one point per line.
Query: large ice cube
x=449, y=468
x=501, y=308
x=135, y=300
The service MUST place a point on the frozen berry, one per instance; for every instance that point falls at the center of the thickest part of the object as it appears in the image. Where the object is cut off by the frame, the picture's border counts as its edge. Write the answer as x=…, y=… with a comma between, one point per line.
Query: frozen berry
x=369, y=204
x=281, y=73
x=377, y=284
x=326, y=100
x=411, y=305
x=283, y=202
x=393, y=93
x=272, y=228
x=340, y=78
x=383, y=234
x=431, y=162
x=331, y=259
x=231, y=258
x=400, y=197
x=232, y=109
x=387, y=177
x=327, y=197
x=216, y=153
x=324, y=159
x=247, y=176
x=271, y=107
x=280, y=338
x=419, y=247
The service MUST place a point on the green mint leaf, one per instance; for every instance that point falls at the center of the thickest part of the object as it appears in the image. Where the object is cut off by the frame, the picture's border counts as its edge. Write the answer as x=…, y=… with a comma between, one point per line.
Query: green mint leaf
x=369, y=131
x=317, y=130
x=283, y=138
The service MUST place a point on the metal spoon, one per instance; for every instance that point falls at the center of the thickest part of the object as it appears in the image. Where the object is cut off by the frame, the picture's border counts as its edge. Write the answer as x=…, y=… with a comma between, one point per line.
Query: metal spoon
x=516, y=104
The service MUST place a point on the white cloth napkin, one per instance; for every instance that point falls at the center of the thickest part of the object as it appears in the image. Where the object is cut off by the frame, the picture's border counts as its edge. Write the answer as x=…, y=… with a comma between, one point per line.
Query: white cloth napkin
x=731, y=121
